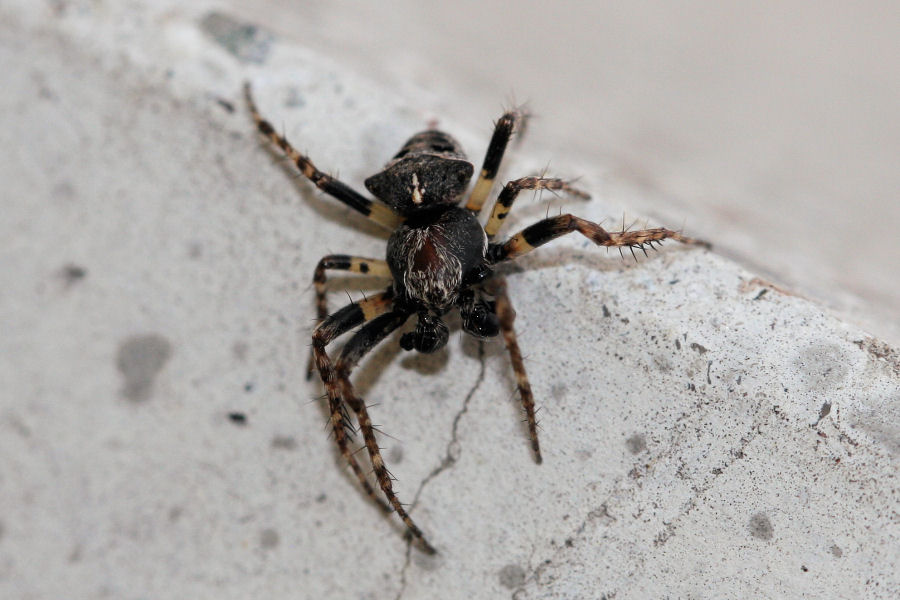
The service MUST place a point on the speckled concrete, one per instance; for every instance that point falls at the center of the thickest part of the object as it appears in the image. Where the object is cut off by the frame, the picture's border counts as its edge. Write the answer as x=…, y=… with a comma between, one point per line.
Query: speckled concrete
x=705, y=433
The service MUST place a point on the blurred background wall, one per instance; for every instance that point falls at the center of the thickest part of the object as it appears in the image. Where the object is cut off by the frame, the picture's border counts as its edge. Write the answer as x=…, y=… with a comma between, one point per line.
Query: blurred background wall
x=769, y=127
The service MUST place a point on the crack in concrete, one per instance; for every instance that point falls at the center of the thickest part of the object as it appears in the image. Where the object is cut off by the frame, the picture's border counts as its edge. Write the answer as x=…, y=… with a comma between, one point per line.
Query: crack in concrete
x=451, y=455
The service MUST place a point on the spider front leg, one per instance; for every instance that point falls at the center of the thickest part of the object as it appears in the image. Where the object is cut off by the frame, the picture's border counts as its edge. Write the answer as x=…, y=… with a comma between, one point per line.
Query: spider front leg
x=549, y=229
x=365, y=339
x=506, y=315
x=376, y=211
x=342, y=321
x=340, y=262
x=511, y=190
x=503, y=131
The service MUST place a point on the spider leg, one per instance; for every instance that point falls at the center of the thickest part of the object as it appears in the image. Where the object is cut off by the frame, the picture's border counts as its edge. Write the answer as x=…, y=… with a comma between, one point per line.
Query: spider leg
x=376, y=211
x=340, y=262
x=511, y=191
x=340, y=322
x=503, y=131
x=549, y=229
x=365, y=339
x=497, y=288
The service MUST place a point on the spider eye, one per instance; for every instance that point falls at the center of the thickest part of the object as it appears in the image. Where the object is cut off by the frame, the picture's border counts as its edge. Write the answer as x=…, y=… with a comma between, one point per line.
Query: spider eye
x=481, y=320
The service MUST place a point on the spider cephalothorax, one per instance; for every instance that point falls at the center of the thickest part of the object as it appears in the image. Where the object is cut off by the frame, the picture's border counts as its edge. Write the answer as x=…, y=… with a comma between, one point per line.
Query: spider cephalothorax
x=429, y=172
x=439, y=258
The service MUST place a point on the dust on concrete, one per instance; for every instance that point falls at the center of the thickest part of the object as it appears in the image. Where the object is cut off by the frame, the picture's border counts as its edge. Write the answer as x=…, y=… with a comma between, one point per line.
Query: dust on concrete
x=761, y=527
x=821, y=368
x=139, y=359
x=637, y=443
x=268, y=538
x=248, y=43
x=284, y=442
x=512, y=576
x=72, y=273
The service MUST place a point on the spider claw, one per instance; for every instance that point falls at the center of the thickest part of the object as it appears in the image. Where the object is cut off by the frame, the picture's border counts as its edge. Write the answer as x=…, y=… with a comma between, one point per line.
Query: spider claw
x=420, y=542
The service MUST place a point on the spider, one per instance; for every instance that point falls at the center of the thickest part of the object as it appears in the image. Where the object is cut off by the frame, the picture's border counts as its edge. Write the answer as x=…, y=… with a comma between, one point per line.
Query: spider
x=439, y=258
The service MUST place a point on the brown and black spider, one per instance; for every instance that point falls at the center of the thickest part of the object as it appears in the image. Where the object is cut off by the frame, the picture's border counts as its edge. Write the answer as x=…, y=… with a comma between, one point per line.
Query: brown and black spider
x=439, y=257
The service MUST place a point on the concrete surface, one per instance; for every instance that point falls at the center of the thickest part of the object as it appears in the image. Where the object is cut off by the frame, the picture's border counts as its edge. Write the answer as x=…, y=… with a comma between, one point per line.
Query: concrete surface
x=771, y=123
x=706, y=434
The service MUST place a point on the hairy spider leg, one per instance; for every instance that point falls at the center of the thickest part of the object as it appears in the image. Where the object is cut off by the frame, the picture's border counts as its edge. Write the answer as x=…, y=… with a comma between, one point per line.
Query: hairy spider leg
x=376, y=211
x=503, y=131
x=548, y=230
x=342, y=321
x=362, y=342
x=340, y=262
x=511, y=190
x=497, y=288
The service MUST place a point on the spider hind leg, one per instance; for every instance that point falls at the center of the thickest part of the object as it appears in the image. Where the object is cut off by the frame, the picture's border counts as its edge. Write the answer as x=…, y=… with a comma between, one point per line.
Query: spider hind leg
x=332, y=327
x=379, y=323
x=507, y=315
x=362, y=342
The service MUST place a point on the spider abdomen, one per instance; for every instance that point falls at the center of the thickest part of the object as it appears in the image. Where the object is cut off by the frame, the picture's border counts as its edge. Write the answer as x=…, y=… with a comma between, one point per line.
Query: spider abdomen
x=429, y=256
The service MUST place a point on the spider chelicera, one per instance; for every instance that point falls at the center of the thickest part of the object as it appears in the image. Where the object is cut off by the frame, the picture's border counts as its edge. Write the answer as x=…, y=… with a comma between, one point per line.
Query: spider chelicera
x=439, y=258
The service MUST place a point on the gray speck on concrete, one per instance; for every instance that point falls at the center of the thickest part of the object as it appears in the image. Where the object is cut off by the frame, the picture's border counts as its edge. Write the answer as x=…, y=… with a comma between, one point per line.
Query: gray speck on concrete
x=284, y=442
x=72, y=273
x=239, y=350
x=64, y=190
x=883, y=426
x=823, y=412
x=295, y=99
x=395, y=454
x=268, y=538
x=636, y=443
x=821, y=368
x=139, y=359
x=558, y=390
x=248, y=43
x=238, y=418
x=761, y=527
x=662, y=362
x=836, y=551
x=512, y=576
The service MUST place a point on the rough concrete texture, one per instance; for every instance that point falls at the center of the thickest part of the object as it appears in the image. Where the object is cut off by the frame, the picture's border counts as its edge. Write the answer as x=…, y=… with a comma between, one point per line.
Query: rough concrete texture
x=705, y=433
